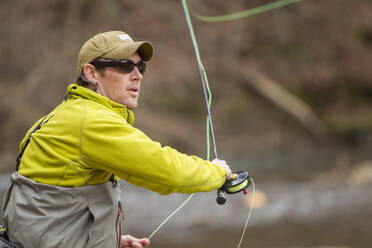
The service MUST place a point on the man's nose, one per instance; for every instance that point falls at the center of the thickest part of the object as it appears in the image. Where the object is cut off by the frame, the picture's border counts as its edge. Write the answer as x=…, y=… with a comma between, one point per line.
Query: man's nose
x=136, y=74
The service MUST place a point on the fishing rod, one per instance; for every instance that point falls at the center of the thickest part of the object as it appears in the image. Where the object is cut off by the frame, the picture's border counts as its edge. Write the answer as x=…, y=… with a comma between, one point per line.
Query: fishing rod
x=240, y=180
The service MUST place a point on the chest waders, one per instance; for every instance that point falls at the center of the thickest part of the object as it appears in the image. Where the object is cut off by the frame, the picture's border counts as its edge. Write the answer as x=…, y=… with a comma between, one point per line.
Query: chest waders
x=43, y=216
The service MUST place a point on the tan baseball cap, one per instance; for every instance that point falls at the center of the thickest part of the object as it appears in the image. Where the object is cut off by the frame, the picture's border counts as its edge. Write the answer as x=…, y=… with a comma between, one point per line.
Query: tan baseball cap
x=112, y=45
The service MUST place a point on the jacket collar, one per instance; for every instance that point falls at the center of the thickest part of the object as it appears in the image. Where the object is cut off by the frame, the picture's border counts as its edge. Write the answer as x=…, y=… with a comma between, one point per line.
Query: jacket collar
x=75, y=91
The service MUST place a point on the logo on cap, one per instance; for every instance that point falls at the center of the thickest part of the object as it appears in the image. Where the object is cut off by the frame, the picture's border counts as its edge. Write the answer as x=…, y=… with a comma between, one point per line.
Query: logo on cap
x=125, y=37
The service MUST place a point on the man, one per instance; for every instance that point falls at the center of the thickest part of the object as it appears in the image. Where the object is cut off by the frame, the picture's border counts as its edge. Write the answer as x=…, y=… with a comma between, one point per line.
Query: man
x=64, y=193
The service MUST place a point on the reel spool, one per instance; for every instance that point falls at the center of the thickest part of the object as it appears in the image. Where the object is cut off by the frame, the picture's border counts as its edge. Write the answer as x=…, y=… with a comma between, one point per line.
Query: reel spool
x=233, y=186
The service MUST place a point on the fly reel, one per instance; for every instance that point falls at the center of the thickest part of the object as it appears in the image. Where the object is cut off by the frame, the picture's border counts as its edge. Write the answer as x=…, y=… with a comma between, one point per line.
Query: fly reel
x=237, y=182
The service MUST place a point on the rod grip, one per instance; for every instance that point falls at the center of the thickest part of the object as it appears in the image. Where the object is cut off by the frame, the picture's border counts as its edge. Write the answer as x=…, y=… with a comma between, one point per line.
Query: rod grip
x=221, y=198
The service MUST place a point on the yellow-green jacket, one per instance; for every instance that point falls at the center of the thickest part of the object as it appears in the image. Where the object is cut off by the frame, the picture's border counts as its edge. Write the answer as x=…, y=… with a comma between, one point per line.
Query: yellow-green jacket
x=88, y=137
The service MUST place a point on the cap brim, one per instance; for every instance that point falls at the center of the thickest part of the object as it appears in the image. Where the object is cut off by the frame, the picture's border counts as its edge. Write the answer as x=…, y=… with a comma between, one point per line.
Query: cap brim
x=145, y=50
x=125, y=51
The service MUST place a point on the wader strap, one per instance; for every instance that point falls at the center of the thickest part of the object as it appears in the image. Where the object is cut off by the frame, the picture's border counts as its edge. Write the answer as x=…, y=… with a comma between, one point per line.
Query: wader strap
x=27, y=142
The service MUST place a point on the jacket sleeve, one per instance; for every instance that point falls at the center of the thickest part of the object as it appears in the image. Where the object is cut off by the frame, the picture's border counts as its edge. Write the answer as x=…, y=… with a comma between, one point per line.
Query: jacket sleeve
x=109, y=143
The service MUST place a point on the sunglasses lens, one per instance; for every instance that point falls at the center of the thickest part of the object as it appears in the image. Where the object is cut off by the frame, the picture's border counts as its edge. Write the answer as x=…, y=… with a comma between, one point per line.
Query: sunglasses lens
x=126, y=66
x=141, y=67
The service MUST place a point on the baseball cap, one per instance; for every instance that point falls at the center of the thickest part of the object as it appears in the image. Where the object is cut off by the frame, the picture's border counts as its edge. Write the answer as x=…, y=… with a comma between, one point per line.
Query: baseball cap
x=112, y=45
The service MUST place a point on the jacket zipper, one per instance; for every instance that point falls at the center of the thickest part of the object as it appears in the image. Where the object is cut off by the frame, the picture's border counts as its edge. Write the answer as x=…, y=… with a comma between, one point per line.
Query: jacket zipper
x=127, y=115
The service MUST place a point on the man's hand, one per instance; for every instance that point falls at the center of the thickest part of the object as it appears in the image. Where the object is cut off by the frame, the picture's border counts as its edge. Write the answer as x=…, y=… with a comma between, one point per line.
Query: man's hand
x=222, y=163
x=128, y=241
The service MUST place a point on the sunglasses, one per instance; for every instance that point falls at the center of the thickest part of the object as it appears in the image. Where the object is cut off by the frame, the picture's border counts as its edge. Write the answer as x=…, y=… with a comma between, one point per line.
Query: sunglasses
x=125, y=65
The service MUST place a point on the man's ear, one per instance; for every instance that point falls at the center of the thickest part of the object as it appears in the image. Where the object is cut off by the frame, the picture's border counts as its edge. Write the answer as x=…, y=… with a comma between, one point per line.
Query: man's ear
x=90, y=72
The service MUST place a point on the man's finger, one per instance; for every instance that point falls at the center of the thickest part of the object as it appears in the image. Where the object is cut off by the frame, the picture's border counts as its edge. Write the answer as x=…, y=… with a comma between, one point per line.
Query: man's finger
x=145, y=242
x=135, y=244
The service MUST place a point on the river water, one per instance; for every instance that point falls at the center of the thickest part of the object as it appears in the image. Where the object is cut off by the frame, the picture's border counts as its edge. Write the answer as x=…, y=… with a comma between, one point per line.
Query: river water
x=294, y=215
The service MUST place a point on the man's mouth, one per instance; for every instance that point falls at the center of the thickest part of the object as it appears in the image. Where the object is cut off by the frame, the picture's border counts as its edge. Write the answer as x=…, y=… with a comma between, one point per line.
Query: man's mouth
x=133, y=91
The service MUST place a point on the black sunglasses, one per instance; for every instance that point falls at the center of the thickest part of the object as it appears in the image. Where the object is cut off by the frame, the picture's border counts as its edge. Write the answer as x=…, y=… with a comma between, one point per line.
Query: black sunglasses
x=125, y=65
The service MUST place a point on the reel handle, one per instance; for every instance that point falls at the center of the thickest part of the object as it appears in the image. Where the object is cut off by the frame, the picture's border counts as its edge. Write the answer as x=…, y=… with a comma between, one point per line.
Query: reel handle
x=221, y=198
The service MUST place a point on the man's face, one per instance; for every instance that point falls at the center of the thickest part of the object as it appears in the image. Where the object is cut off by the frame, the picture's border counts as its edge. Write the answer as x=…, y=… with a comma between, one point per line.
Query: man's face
x=121, y=87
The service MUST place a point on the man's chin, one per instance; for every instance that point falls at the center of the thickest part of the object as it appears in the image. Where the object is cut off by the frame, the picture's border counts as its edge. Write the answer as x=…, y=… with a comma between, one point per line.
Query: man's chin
x=131, y=105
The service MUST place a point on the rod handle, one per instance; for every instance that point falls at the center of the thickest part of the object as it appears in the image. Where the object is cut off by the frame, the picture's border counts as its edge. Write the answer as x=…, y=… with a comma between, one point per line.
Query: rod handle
x=221, y=198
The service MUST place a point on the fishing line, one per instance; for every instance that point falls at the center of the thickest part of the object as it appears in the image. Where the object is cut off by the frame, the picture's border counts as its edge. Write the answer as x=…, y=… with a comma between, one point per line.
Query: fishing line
x=171, y=215
x=208, y=99
x=249, y=213
x=242, y=14
x=207, y=92
x=209, y=127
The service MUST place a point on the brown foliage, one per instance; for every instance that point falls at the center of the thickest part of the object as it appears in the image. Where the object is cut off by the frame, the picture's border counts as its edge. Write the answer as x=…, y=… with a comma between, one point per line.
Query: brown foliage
x=319, y=50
